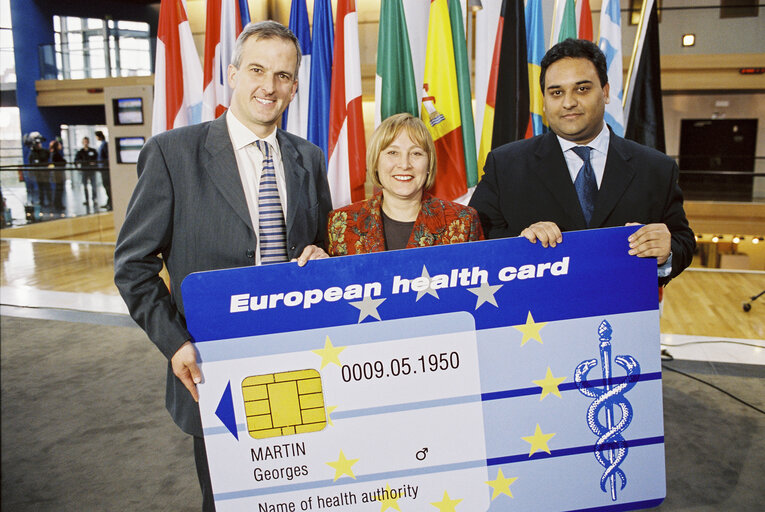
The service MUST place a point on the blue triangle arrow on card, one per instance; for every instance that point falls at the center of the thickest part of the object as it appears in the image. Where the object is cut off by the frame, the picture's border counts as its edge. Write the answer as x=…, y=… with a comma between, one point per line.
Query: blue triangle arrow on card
x=225, y=411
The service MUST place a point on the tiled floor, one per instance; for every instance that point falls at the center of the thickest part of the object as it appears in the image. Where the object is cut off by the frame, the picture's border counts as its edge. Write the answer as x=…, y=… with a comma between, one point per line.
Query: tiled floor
x=720, y=350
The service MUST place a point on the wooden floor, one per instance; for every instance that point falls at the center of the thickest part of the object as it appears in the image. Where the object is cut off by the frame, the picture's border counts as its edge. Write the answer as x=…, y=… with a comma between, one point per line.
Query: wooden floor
x=699, y=302
x=78, y=267
x=43, y=255
x=93, y=228
x=709, y=303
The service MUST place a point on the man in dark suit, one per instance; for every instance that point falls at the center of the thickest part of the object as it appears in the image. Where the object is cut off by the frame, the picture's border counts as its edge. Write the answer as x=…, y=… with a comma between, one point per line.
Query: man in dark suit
x=103, y=163
x=196, y=207
x=581, y=175
x=86, y=158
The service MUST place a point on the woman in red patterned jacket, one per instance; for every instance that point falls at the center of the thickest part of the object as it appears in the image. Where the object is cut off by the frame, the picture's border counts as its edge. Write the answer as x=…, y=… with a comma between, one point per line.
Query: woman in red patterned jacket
x=401, y=160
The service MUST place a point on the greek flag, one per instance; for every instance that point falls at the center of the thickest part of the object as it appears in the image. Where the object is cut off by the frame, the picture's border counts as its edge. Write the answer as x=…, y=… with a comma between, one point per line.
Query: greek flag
x=295, y=118
x=611, y=45
x=321, y=74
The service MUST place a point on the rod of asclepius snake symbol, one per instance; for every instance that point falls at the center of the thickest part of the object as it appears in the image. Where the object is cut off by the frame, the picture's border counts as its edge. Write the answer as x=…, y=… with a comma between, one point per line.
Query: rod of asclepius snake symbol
x=605, y=360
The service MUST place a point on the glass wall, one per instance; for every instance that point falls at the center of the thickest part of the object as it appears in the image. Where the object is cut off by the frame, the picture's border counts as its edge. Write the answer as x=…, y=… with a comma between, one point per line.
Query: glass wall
x=68, y=180
x=10, y=132
x=96, y=48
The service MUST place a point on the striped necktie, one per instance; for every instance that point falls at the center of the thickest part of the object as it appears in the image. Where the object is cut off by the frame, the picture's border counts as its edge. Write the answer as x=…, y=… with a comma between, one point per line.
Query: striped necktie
x=272, y=230
x=585, y=183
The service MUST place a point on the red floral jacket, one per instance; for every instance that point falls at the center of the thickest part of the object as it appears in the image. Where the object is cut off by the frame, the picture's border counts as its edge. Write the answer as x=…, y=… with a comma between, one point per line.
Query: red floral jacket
x=358, y=228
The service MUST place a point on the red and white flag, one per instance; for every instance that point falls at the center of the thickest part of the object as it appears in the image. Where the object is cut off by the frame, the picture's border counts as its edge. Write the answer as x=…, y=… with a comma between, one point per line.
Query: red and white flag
x=224, y=24
x=584, y=19
x=346, y=146
x=177, y=71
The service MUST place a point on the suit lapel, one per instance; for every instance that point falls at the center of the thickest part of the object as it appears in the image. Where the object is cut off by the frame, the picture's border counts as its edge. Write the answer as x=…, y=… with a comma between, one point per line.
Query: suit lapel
x=222, y=169
x=553, y=172
x=295, y=175
x=374, y=239
x=616, y=178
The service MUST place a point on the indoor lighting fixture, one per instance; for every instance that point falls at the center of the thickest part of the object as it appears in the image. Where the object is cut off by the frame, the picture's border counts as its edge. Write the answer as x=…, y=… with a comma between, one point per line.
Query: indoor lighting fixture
x=736, y=239
x=715, y=239
x=755, y=240
x=688, y=40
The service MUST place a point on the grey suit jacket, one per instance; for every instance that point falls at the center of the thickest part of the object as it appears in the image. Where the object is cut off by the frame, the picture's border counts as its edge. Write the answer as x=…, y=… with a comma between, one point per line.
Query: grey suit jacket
x=528, y=181
x=189, y=211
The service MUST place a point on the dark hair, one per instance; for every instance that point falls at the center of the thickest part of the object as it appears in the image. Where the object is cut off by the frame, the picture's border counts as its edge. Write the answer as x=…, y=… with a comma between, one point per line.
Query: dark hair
x=100, y=135
x=575, y=49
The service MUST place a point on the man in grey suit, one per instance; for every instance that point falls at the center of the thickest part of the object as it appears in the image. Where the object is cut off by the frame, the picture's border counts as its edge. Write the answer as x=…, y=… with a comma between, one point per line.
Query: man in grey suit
x=196, y=207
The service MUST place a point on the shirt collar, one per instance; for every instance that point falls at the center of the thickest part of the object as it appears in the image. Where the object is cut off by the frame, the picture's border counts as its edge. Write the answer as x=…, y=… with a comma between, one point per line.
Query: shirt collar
x=242, y=136
x=599, y=143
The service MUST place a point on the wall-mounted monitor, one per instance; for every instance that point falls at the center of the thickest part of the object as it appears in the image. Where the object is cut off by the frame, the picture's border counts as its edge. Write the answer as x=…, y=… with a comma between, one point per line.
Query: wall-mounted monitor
x=127, y=111
x=128, y=149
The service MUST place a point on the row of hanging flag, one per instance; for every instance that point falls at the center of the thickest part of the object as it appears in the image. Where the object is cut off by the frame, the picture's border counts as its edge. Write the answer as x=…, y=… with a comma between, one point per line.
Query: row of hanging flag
x=422, y=68
x=327, y=108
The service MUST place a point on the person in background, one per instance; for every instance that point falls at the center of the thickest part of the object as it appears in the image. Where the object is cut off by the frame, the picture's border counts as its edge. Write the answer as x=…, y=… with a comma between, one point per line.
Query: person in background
x=58, y=177
x=86, y=158
x=103, y=162
x=37, y=185
x=401, y=162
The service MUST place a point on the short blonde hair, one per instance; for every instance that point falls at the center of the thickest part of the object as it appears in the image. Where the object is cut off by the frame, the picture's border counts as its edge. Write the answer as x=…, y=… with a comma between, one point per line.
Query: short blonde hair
x=387, y=132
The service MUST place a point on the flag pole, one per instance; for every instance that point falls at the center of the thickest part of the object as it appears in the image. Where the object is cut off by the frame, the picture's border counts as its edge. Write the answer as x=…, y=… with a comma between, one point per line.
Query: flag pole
x=635, y=46
x=552, y=32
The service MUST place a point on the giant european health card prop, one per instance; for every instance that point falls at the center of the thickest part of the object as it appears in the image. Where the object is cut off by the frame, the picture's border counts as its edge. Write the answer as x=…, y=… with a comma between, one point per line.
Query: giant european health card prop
x=493, y=375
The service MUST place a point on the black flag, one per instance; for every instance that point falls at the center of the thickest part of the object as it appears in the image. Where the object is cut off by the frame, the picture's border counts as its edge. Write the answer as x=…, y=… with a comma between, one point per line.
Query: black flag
x=645, y=117
x=511, y=114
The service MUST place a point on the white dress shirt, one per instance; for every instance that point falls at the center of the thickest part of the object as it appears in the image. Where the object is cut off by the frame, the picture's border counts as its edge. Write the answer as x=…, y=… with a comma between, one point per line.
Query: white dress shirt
x=249, y=160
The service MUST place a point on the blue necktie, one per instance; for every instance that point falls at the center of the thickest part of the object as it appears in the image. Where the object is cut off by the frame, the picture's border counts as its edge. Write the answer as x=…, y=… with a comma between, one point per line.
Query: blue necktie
x=273, y=232
x=586, y=186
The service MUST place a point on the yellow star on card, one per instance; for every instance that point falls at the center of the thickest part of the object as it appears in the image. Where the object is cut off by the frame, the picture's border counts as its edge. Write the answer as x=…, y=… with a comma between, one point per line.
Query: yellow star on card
x=447, y=504
x=538, y=441
x=329, y=410
x=343, y=466
x=549, y=384
x=501, y=485
x=530, y=329
x=329, y=354
x=389, y=502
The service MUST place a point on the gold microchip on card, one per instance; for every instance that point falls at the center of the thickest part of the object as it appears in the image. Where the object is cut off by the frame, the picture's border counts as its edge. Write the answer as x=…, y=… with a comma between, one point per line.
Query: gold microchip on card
x=280, y=404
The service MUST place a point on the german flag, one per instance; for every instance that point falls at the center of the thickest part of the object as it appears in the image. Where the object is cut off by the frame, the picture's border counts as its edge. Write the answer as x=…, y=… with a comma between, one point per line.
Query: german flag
x=506, y=116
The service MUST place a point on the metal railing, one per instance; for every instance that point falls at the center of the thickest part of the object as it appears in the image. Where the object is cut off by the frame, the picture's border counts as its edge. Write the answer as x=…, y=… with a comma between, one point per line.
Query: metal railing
x=37, y=193
x=31, y=193
x=706, y=181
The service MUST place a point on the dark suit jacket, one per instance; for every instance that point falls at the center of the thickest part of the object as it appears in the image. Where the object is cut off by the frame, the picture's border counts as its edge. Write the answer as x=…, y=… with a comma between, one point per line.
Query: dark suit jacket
x=189, y=207
x=528, y=181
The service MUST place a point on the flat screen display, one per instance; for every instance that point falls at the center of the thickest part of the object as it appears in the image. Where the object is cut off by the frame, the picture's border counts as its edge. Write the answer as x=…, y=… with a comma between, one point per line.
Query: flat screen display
x=128, y=149
x=128, y=111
